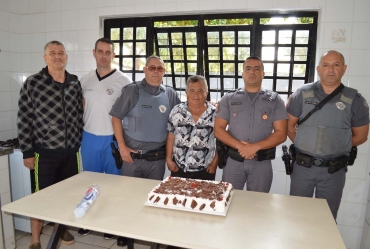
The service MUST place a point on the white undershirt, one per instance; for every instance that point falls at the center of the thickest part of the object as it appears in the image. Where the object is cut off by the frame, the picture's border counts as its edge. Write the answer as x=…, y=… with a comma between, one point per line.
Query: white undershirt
x=99, y=98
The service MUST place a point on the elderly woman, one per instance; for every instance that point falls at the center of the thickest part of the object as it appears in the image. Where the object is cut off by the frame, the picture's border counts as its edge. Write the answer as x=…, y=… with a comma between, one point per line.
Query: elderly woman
x=191, y=145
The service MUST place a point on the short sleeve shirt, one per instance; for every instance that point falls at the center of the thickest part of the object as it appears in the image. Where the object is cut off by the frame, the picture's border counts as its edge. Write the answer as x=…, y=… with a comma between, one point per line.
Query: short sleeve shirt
x=359, y=107
x=99, y=95
x=195, y=145
x=251, y=120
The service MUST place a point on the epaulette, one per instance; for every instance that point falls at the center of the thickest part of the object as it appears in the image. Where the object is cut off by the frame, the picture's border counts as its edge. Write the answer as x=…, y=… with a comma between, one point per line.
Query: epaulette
x=239, y=90
x=269, y=95
x=168, y=86
x=132, y=83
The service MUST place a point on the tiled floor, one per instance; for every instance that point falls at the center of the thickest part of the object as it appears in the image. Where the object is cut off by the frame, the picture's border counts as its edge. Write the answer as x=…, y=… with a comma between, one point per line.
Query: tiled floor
x=92, y=241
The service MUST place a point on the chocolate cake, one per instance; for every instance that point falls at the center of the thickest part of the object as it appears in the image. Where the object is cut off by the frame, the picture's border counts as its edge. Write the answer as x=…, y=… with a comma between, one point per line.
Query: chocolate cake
x=190, y=194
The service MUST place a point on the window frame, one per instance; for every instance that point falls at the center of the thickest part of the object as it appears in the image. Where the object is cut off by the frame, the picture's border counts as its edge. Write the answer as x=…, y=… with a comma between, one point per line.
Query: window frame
x=256, y=29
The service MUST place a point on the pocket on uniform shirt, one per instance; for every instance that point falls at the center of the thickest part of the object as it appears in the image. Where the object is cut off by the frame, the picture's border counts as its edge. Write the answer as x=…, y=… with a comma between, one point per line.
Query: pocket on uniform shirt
x=235, y=113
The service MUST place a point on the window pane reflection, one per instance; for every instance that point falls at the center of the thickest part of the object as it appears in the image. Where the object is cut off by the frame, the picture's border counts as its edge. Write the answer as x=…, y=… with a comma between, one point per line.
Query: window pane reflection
x=269, y=69
x=299, y=70
x=127, y=64
x=267, y=84
x=283, y=69
x=285, y=36
x=128, y=33
x=268, y=53
x=300, y=54
x=282, y=85
x=268, y=37
x=301, y=37
x=141, y=33
x=284, y=54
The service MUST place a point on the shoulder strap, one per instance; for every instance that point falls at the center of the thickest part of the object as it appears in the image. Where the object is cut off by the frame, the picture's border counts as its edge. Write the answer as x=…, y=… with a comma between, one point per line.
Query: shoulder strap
x=321, y=104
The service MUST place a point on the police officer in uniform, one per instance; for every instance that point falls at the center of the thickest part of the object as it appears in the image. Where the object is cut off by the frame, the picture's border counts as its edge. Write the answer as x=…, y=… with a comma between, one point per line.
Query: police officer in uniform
x=256, y=120
x=324, y=140
x=139, y=119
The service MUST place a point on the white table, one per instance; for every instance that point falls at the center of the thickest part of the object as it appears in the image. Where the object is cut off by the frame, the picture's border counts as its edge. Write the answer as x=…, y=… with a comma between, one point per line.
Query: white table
x=254, y=220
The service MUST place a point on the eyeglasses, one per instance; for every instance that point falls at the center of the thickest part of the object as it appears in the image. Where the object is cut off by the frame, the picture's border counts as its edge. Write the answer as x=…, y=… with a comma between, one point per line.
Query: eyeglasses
x=154, y=68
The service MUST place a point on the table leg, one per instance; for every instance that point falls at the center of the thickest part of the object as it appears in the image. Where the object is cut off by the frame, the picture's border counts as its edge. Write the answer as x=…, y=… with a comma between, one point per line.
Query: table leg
x=55, y=236
x=154, y=246
x=130, y=243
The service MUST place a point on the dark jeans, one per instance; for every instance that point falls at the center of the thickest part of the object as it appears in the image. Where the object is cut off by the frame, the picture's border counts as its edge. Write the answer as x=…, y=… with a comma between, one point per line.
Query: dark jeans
x=201, y=175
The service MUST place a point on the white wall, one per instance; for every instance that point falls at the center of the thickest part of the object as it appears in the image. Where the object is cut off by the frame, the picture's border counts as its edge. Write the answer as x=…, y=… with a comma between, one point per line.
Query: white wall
x=26, y=25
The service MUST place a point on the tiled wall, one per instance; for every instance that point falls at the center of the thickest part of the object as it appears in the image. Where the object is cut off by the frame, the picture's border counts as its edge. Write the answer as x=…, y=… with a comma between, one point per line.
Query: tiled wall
x=26, y=25
x=366, y=233
x=6, y=219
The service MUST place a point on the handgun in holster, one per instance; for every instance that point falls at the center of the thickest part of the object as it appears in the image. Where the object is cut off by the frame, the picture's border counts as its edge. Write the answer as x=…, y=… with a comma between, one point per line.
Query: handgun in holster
x=293, y=153
x=222, y=151
x=352, y=155
x=116, y=155
x=287, y=160
x=289, y=157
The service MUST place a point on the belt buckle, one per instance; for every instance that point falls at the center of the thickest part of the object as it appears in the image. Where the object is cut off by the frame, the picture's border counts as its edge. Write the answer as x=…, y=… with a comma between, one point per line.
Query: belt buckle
x=317, y=161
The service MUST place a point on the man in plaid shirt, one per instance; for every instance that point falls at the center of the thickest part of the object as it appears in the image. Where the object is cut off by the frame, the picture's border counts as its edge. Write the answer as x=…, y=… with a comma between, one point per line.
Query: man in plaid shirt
x=49, y=127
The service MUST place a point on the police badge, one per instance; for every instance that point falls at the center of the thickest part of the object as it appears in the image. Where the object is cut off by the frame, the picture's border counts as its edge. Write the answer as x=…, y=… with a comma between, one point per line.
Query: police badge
x=162, y=108
x=340, y=105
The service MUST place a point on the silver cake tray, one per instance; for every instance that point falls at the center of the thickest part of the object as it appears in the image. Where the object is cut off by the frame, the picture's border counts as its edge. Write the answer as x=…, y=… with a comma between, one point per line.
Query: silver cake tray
x=193, y=210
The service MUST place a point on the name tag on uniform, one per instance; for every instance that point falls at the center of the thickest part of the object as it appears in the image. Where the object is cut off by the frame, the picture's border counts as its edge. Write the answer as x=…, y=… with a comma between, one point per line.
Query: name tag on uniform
x=311, y=103
x=236, y=103
x=146, y=106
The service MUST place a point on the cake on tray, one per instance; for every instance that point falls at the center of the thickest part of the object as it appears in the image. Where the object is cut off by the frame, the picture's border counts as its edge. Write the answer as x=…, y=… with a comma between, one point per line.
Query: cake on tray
x=192, y=195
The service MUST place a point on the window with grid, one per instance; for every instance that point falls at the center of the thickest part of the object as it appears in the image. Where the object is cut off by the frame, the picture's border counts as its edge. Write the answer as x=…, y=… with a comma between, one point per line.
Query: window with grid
x=216, y=46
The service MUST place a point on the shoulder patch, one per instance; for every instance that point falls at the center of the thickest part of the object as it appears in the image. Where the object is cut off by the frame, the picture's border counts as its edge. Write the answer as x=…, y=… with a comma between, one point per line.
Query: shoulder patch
x=269, y=95
x=365, y=103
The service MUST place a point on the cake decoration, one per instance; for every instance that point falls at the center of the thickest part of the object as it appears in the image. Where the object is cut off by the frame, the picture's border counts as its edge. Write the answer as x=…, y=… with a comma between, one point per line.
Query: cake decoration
x=191, y=195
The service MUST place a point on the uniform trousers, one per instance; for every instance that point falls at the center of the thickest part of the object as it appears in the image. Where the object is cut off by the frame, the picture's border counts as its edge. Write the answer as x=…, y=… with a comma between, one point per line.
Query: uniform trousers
x=96, y=154
x=257, y=175
x=142, y=168
x=304, y=181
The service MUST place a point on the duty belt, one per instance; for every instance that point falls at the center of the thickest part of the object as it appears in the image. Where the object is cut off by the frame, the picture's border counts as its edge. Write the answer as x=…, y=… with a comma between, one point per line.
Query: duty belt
x=150, y=155
x=261, y=155
x=302, y=160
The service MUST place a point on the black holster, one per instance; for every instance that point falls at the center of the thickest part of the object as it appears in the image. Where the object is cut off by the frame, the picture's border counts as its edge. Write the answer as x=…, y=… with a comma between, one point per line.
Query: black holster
x=234, y=154
x=268, y=154
x=222, y=151
x=352, y=155
x=338, y=164
x=293, y=153
x=117, y=156
x=286, y=157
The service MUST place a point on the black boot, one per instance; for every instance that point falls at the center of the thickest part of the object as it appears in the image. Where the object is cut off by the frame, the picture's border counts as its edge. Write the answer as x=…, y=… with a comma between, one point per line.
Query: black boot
x=121, y=241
